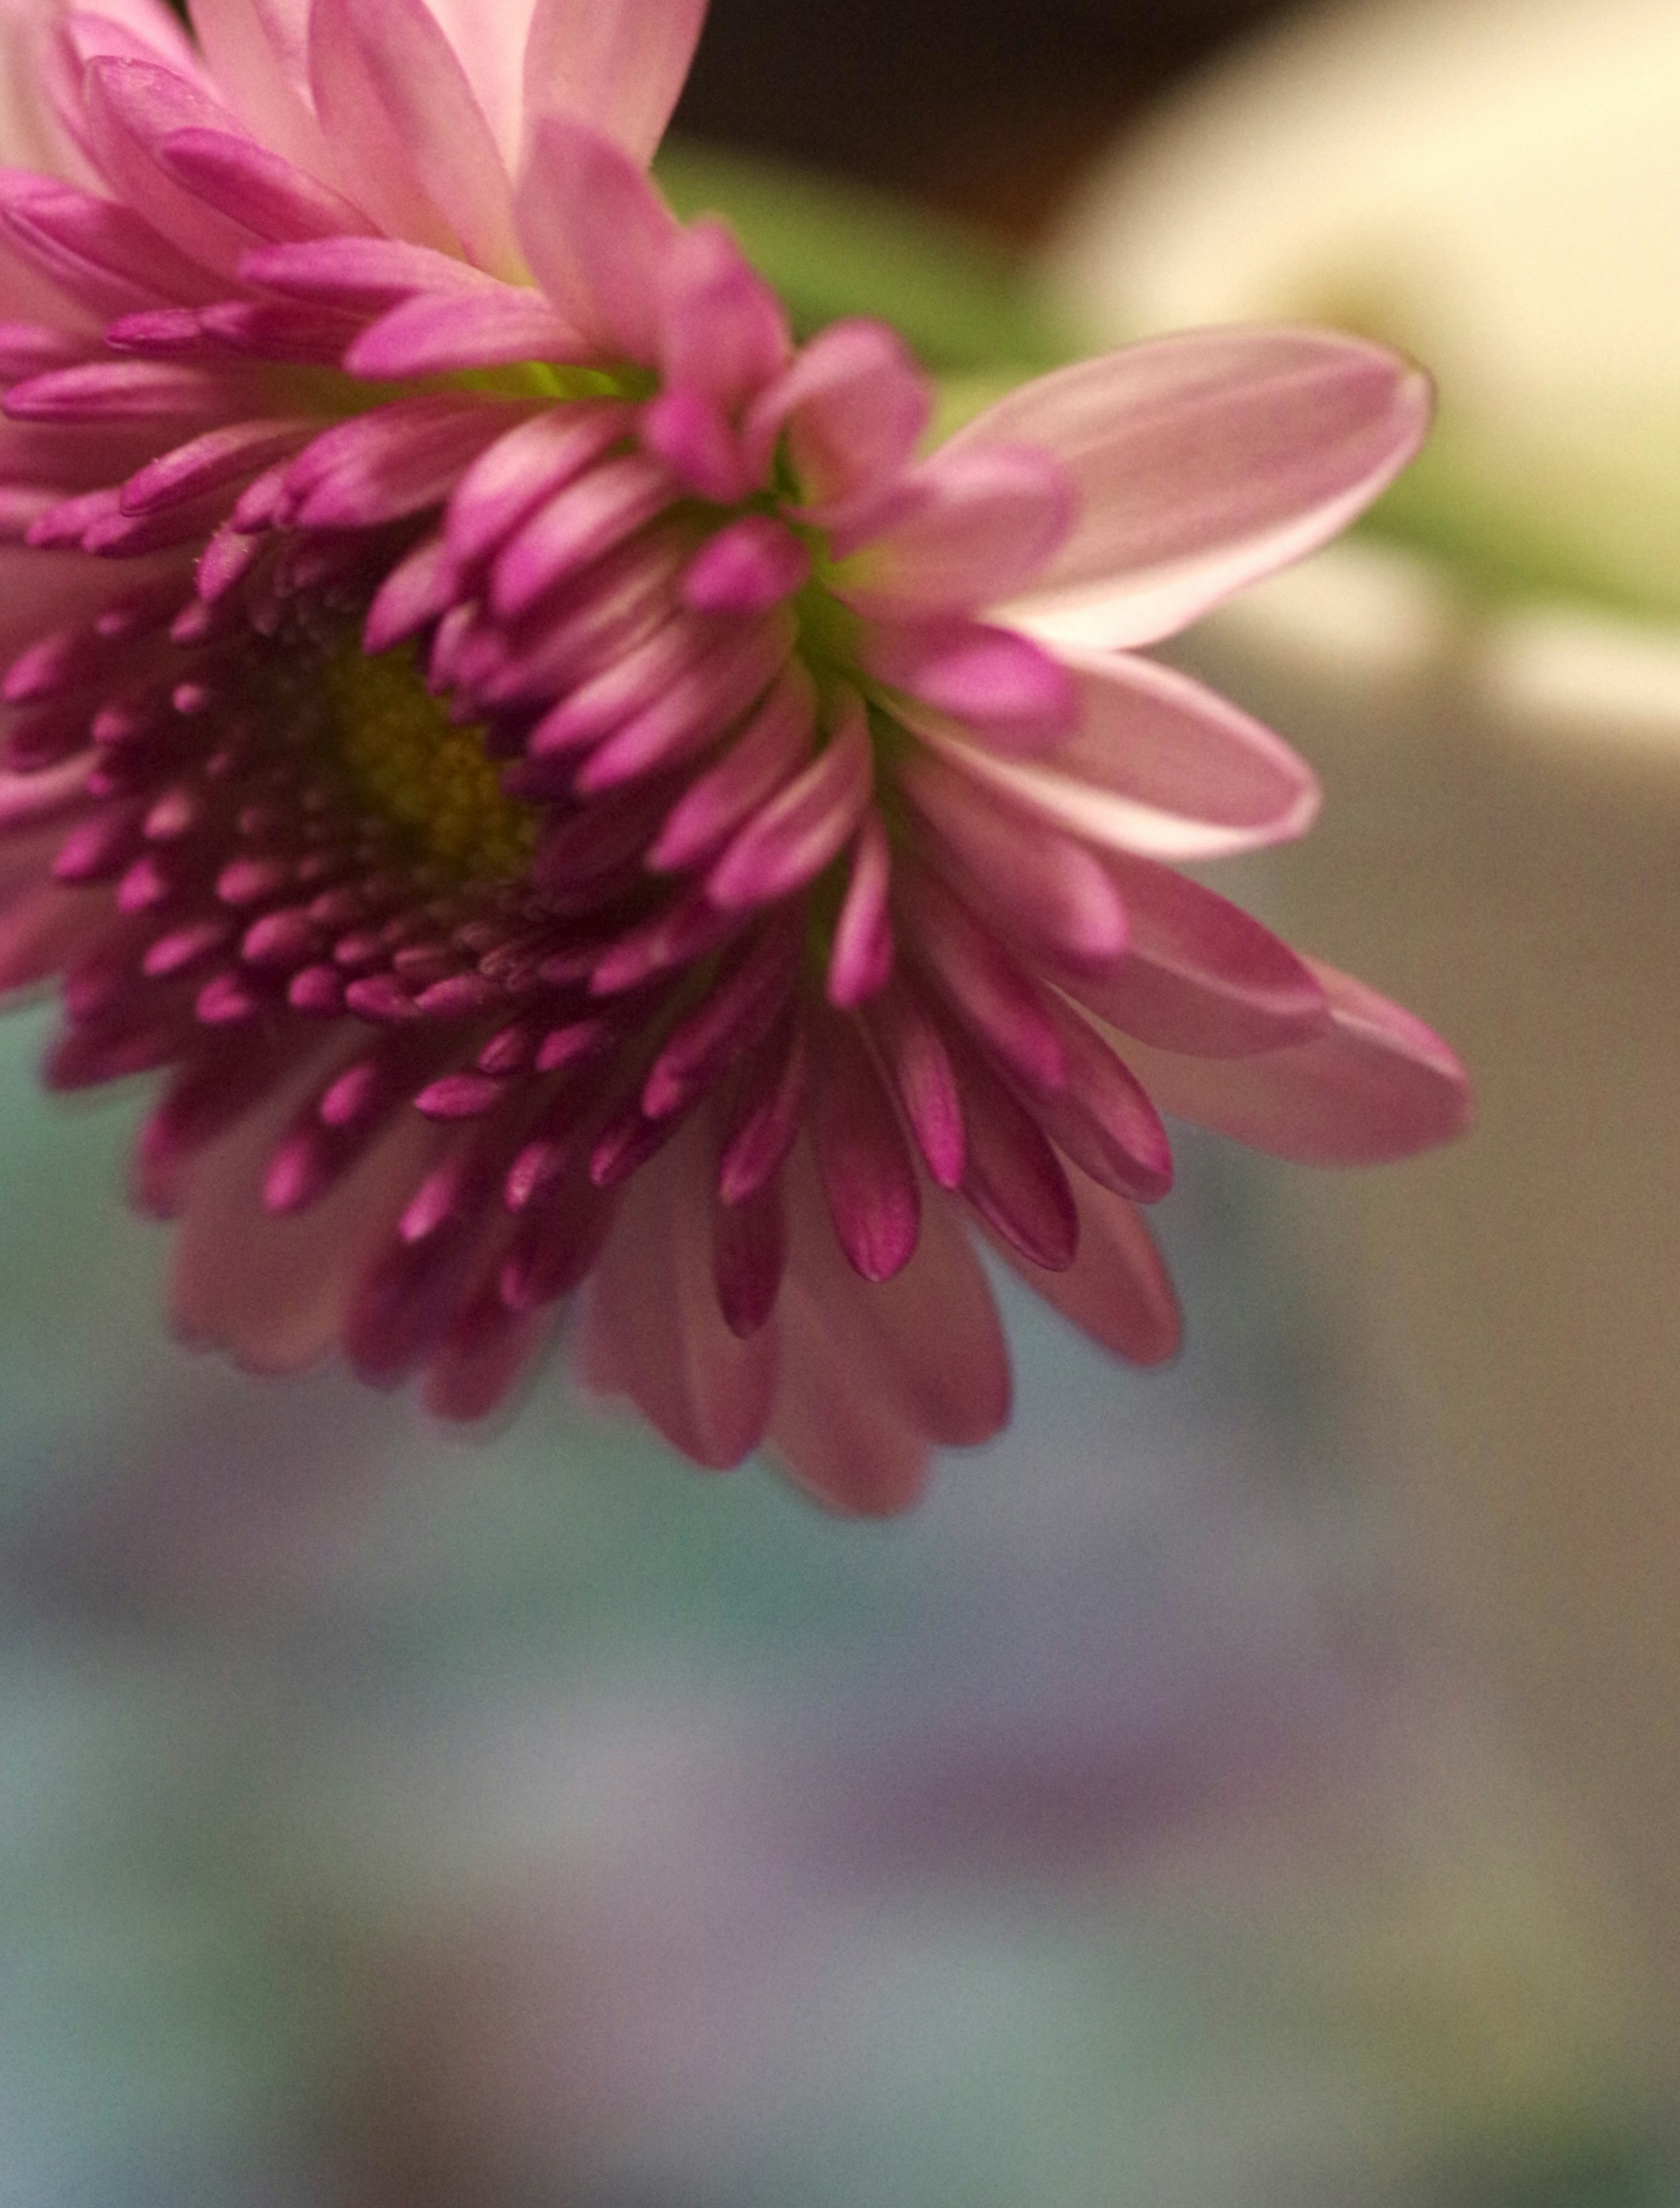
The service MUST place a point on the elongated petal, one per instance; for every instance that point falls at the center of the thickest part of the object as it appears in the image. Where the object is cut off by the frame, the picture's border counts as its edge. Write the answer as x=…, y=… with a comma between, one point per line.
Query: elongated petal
x=852, y=407
x=617, y=65
x=258, y=52
x=722, y=330
x=974, y=525
x=868, y=1177
x=437, y=336
x=361, y=275
x=1203, y=462
x=1039, y=884
x=1202, y=976
x=792, y=838
x=255, y=186
x=928, y=1341
x=654, y=1329
x=596, y=236
x=273, y=1290
x=831, y=1428
x=396, y=104
x=1377, y=1085
x=861, y=962
x=1117, y=1290
x=1010, y=690
x=1159, y=765
x=130, y=107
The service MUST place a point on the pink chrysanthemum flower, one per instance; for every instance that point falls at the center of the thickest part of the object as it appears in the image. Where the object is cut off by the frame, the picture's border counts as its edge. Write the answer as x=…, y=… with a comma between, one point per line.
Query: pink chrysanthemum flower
x=571, y=795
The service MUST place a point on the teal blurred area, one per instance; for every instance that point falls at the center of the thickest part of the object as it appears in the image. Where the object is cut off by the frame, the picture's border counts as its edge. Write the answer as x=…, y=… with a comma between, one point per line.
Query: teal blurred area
x=394, y=1819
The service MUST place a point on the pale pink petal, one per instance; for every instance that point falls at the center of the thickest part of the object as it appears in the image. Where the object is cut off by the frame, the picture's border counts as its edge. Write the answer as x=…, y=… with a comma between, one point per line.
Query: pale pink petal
x=488, y=37
x=770, y=750
x=745, y=568
x=273, y=1290
x=1009, y=690
x=928, y=1341
x=653, y=1324
x=486, y=1352
x=1203, y=462
x=1377, y=1085
x=1117, y=1290
x=791, y=839
x=1038, y=884
x=361, y=275
x=861, y=962
x=597, y=235
x=130, y=107
x=852, y=407
x=722, y=330
x=830, y=1429
x=615, y=64
x=258, y=53
x=1202, y=975
x=869, y=1178
x=1160, y=765
x=272, y=196
x=433, y=336
x=973, y=525
x=395, y=104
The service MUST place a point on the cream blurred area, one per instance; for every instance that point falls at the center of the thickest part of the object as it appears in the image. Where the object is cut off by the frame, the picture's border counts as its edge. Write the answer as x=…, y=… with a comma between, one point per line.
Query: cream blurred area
x=1495, y=711
x=1249, y=1787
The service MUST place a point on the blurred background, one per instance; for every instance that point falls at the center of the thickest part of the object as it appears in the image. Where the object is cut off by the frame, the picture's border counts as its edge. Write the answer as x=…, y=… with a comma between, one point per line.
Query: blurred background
x=1250, y=1785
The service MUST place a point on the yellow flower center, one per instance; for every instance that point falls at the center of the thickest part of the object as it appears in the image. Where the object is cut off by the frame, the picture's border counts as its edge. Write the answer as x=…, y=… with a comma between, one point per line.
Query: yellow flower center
x=408, y=762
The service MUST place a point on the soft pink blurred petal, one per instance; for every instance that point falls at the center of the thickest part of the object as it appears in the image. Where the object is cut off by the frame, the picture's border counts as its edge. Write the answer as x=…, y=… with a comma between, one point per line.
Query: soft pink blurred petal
x=1203, y=462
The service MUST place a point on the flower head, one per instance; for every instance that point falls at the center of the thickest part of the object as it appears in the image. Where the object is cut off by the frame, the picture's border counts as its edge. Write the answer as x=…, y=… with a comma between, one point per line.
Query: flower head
x=574, y=796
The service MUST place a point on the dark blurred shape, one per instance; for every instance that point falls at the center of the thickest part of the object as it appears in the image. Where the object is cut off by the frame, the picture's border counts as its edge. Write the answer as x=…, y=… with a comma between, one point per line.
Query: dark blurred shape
x=986, y=108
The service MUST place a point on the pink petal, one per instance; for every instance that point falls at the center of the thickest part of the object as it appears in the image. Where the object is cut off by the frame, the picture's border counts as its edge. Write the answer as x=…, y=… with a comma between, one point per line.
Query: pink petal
x=997, y=1001
x=508, y=481
x=484, y=1353
x=273, y=1290
x=830, y=1429
x=254, y=186
x=576, y=525
x=722, y=330
x=765, y=1118
x=1009, y=690
x=653, y=1324
x=391, y=461
x=130, y=106
x=597, y=234
x=416, y=151
x=749, y=1254
x=103, y=255
x=736, y=1014
x=1117, y=1290
x=774, y=744
x=1377, y=1085
x=917, y=1062
x=617, y=65
x=257, y=51
x=861, y=962
x=432, y=336
x=1102, y=1120
x=745, y=569
x=852, y=407
x=1042, y=887
x=1203, y=462
x=928, y=1343
x=363, y=275
x=699, y=704
x=1202, y=977
x=974, y=525
x=1011, y=1176
x=790, y=840
x=692, y=435
x=1160, y=765
x=869, y=1178
x=207, y=463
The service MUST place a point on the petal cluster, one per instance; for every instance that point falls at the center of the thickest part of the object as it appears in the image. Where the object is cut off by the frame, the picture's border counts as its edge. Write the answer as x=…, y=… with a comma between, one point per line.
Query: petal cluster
x=574, y=793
